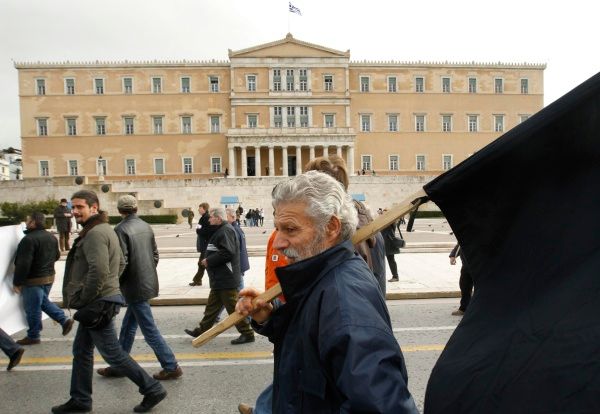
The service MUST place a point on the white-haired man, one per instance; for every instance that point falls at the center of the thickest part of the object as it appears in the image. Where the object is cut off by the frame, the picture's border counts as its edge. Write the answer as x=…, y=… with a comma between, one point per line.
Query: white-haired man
x=222, y=263
x=334, y=346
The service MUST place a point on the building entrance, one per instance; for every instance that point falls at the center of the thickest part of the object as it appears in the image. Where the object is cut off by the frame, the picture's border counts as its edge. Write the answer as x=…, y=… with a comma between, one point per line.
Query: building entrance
x=291, y=165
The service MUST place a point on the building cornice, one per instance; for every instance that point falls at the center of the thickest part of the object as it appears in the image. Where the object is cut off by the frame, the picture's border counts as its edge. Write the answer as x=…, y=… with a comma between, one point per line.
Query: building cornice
x=99, y=64
x=445, y=64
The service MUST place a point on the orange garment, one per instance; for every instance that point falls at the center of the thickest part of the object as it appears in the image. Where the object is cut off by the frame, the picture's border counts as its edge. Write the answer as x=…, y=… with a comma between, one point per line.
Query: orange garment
x=273, y=260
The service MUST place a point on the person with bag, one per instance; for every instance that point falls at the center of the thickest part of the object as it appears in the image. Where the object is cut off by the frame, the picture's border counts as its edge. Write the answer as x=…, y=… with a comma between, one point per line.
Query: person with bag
x=91, y=285
x=393, y=245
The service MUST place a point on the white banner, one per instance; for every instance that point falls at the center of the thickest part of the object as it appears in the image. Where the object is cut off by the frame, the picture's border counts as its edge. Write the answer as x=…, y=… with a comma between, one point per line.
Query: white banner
x=12, y=316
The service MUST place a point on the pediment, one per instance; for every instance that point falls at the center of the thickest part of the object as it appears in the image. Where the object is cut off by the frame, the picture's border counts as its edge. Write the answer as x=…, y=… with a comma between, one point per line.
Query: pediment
x=288, y=47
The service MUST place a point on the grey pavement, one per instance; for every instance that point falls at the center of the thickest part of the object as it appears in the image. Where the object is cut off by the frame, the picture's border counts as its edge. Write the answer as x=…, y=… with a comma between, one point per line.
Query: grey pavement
x=423, y=266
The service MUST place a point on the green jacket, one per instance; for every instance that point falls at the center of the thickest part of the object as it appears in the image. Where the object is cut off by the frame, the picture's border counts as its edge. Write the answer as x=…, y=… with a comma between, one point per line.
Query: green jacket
x=93, y=265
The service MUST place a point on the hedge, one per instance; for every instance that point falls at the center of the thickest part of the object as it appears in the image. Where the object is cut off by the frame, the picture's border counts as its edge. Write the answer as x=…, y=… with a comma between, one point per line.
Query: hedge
x=157, y=219
x=430, y=214
x=15, y=213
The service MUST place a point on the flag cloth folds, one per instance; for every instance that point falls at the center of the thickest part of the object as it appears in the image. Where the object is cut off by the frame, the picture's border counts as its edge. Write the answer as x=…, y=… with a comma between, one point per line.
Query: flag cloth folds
x=526, y=211
x=294, y=9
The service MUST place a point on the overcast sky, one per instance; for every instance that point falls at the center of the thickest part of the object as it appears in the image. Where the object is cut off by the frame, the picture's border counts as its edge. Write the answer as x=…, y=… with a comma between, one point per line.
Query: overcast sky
x=563, y=35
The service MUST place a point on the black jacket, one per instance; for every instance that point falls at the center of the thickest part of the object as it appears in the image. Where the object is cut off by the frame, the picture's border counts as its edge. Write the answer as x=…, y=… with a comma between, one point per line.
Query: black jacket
x=223, y=258
x=204, y=232
x=36, y=254
x=389, y=234
x=63, y=223
x=139, y=280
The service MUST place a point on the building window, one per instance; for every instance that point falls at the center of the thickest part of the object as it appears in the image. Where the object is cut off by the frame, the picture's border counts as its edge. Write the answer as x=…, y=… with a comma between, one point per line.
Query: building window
x=364, y=83
x=44, y=169
x=446, y=85
x=419, y=85
x=70, y=86
x=186, y=124
x=252, y=120
x=214, y=83
x=100, y=125
x=42, y=124
x=329, y=120
x=185, y=85
x=304, y=116
x=215, y=163
x=71, y=126
x=365, y=162
x=101, y=167
x=291, y=117
x=128, y=122
x=328, y=82
x=159, y=166
x=472, y=85
x=499, y=123
x=392, y=86
x=99, y=86
x=303, y=79
x=215, y=124
x=289, y=79
x=128, y=85
x=446, y=123
x=41, y=86
x=130, y=166
x=394, y=163
x=473, y=123
x=392, y=123
x=524, y=86
x=498, y=85
x=365, y=123
x=446, y=162
x=187, y=165
x=523, y=118
x=157, y=124
x=277, y=80
x=420, y=163
x=420, y=123
x=277, y=116
x=156, y=85
x=73, y=168
x=251, y=83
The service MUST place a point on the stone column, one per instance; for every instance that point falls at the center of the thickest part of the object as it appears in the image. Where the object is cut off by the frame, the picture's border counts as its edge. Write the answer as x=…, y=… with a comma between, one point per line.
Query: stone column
x=326, y=150
x=258, y=167
x=312, y=153
x=284, y=160
x=232, y=161
x=351, y=159
x=298, y=159
x=244, y=162
x=271, y=161
x=339, y=151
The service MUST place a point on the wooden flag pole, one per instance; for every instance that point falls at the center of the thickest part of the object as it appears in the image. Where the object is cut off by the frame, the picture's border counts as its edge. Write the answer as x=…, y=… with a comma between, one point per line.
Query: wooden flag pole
x=361, y=234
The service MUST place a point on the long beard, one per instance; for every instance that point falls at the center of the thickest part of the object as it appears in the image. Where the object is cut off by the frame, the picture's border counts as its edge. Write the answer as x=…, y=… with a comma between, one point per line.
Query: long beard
x=313, y=249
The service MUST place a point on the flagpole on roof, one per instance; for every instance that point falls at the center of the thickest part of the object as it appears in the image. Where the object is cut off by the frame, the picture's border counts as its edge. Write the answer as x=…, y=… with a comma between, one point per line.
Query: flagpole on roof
x=288, y=15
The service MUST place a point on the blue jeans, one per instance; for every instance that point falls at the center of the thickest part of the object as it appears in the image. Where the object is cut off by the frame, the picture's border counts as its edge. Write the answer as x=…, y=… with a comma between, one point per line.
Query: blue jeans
x=141, y=313
x=7, y=344
x=35, y=300
x=105, y=339
x=264, y=402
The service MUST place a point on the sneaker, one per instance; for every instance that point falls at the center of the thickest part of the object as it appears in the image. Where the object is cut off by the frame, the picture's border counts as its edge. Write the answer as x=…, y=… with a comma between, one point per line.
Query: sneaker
x=109, y=372
x=150, y=401
x=458, y=312
x=28, y=341
x=242, y=339
x=194, y=332
x=394, y=279
x=72, y=406
x=66, y=328
x=245, y=409
x=15, y=359
x=168, y=375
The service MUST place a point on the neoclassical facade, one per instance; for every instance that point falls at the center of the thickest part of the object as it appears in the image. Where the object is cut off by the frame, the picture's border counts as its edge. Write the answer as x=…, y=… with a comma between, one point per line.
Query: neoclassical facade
x=266, y=111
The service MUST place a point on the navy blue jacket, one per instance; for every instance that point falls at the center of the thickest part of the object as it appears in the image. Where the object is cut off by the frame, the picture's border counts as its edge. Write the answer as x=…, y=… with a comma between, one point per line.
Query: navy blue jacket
x=244, y=262
x=334, y=347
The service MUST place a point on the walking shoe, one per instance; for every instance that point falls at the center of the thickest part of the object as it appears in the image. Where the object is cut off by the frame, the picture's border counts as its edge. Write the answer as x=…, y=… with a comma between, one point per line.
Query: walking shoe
x=109, y=372
x=168, y=375
x=245, y=409
x=15, y=359
x=242, y=339
x=193, y=332
x=28, y=341
x=394, y=279
x=149, y=401
x=195, y=284
x=458, y=312
x=72, y=406
x=67, y=327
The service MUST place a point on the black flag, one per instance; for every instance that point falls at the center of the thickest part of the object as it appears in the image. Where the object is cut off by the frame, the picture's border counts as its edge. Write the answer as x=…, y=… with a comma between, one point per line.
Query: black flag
x=526, y=211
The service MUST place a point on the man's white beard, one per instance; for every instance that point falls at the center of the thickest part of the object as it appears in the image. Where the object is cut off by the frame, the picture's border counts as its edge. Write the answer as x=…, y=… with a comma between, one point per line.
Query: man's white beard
x=315, y=248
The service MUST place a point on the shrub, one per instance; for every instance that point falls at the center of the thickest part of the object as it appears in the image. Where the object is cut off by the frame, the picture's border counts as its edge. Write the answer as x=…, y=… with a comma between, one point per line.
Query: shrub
x=17, y=212
x=157, y=219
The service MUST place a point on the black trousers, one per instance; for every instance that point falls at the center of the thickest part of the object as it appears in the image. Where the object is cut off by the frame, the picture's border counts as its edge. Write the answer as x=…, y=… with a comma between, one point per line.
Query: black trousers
x=393, y=266
x=466, y=287
x=200, y=273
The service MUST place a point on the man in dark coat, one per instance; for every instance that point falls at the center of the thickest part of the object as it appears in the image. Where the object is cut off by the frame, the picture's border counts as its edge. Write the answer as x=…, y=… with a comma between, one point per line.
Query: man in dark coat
x=222, y=263
x=465, y=282
x=34, y=275
x=62, y=219
x=204, y=230
x=139, y=284
x=334, y=346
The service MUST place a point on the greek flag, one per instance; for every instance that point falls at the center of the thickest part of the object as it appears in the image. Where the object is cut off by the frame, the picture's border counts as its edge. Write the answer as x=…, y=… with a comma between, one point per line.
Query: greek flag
x=294, y=9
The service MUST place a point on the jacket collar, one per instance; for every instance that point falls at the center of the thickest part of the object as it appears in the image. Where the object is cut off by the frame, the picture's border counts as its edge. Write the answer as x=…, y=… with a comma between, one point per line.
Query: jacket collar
x=298, y=278
x=92, y=222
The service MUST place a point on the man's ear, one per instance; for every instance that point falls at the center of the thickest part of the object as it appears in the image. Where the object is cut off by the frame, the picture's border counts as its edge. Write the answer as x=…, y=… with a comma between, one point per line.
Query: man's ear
x=333, y=229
